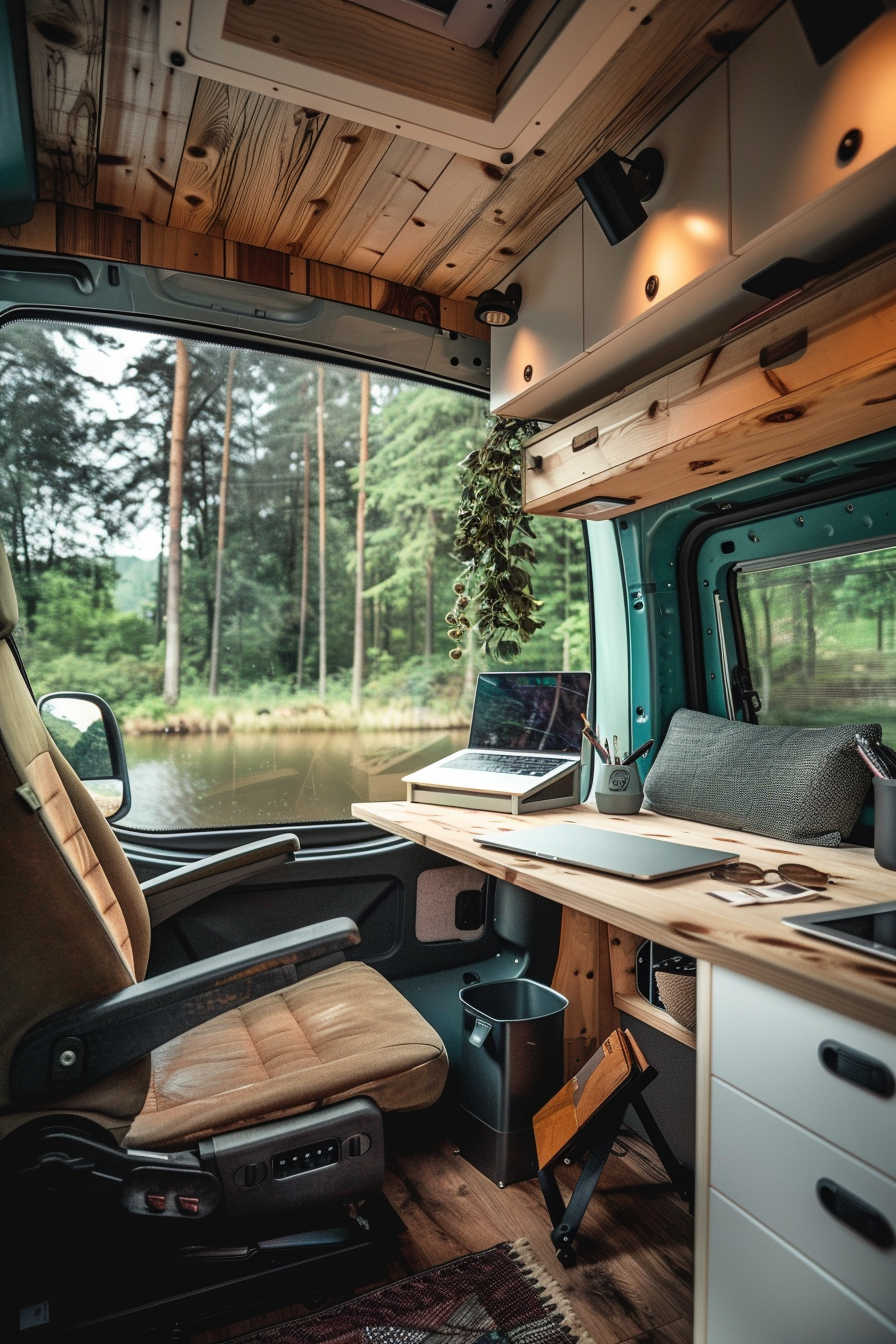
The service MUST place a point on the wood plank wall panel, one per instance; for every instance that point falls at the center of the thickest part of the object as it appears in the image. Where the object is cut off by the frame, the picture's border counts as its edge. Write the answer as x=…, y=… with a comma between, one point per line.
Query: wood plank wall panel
x=65, y=47
x=145, y=112
x=256, y=265
x=179, y=250
x=93, y=233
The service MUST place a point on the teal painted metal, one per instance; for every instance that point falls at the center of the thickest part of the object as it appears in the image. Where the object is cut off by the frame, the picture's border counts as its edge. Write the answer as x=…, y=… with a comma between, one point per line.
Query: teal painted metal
x=18, y=166
x=650, y=545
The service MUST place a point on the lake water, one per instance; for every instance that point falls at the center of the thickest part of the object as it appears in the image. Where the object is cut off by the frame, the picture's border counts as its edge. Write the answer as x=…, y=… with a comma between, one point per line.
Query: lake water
x=245, y=779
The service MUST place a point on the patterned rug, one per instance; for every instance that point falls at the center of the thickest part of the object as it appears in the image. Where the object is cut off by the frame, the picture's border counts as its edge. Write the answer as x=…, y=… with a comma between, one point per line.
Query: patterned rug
x=500, y=1296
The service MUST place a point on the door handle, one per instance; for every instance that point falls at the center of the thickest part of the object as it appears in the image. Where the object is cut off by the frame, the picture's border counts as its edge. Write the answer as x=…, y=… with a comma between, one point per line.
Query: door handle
x=854, y=1067
x=855, y=1213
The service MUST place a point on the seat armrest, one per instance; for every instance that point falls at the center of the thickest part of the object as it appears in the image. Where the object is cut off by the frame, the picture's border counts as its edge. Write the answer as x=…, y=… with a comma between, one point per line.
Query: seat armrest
x=75, y=1048
x=174, y=891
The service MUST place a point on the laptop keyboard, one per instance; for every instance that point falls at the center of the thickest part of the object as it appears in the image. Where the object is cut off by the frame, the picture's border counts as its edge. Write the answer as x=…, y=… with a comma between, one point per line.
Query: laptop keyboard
x=506, y=765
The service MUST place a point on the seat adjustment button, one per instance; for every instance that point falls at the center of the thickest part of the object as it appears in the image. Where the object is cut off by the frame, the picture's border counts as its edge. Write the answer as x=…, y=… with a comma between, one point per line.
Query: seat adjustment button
x=156, y=1202
x=188, y=1204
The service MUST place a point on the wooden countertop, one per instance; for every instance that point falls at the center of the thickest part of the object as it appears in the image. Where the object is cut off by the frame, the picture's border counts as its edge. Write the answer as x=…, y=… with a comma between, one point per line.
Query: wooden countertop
x=678, y=912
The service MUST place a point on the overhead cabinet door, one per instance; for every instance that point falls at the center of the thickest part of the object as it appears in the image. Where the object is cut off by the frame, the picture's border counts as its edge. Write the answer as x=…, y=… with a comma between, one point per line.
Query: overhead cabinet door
x=790, y=117
x=686, y=233
x=548, y=333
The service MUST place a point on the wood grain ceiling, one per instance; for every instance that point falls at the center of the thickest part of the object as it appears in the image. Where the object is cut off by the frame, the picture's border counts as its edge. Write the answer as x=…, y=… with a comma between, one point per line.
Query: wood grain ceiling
x=145, y=161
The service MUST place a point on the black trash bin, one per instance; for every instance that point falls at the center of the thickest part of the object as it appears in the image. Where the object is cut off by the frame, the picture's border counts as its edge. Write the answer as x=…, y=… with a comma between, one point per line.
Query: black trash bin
x=511, y=1064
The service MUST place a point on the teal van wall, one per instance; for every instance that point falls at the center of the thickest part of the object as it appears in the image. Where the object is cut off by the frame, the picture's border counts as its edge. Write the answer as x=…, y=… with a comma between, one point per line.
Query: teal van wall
x=652, y=544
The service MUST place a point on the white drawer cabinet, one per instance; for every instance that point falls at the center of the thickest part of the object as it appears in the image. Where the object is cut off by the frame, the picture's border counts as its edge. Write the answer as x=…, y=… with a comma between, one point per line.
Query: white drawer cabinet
x=789, y=115
x=686, y=233
x=766, y=1043
x=548, y=333
x=771, y=1167
x=762, y=1291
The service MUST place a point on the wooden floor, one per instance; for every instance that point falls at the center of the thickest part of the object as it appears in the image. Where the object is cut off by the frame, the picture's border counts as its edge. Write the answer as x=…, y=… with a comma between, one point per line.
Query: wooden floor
x=632, y=1284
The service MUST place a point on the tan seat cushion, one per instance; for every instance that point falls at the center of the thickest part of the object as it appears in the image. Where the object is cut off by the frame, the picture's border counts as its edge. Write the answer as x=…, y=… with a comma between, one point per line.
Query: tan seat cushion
x=345, y=1032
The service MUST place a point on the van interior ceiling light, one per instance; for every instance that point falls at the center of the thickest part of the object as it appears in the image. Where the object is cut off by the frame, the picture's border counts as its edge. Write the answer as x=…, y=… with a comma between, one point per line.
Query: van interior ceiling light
x=615, y=196
x=499, y=308
x=830, y=25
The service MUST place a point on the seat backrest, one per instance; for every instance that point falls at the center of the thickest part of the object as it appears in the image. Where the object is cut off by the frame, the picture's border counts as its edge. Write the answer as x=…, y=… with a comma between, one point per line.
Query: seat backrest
x=73, y=919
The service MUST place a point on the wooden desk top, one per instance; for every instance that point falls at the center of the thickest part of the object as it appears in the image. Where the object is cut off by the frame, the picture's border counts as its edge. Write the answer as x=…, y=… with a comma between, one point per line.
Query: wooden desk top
x=678, y=912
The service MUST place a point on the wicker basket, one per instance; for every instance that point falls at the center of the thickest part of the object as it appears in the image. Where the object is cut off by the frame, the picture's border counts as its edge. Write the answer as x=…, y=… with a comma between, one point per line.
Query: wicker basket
x=679, y=996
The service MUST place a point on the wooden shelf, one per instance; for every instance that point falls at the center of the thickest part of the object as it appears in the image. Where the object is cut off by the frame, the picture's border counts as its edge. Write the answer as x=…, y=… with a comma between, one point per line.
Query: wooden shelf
x=821, y=372
x=623, y=951
x=638, y=1007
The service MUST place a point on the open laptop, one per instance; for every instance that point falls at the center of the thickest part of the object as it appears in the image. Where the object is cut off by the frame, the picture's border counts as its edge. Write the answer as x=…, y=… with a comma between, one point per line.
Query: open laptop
x=526, y=731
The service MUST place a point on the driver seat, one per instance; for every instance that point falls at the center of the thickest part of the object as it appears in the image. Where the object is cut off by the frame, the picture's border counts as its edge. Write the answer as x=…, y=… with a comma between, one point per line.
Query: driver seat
x=227, y=1055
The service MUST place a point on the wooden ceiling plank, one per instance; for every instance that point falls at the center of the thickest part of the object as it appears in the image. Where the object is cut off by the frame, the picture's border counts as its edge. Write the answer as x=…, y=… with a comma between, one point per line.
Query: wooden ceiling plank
x=654, y=69
x=65, y=47
x=145, y=113
x=390, y=196
x=461, y=194
x=344, y=157
x=349, y=40
x=243, y=156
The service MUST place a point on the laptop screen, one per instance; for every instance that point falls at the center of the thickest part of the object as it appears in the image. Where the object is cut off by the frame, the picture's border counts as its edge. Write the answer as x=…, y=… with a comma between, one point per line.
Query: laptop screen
x=530, y=711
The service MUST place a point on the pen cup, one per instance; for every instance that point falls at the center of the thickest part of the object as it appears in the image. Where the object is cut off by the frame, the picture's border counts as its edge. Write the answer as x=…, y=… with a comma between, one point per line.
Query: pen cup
x=618, y=789
x=885, y=822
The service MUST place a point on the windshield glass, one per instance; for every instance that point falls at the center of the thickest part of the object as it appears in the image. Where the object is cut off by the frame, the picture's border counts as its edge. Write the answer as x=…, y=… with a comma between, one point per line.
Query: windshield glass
x=255, y=680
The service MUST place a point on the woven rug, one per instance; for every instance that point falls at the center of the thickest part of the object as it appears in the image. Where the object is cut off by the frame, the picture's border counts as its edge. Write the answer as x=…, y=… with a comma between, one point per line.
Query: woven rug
x=500, y=1296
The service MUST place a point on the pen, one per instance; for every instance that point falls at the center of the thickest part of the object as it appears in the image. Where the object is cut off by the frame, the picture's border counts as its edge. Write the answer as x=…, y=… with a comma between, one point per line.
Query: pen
x=642, y=751
x=875, y=763
x=615, y=748
x=594, y=740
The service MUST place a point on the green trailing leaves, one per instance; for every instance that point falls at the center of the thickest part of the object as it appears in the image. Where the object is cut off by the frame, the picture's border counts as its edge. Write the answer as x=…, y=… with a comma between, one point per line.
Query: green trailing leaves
x=489, y=539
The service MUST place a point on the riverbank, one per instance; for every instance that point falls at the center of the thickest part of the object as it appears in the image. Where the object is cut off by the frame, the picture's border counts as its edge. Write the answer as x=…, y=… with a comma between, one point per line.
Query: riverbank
x=214, y=717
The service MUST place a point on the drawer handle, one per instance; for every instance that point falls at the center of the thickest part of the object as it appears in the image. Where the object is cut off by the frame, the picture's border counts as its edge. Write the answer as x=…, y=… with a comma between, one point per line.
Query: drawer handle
x=855, y=1213
x=854, y=1067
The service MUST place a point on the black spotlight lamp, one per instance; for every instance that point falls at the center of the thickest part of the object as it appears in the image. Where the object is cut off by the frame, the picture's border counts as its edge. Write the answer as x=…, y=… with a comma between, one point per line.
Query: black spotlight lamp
x=499, y=308
x=615, y=196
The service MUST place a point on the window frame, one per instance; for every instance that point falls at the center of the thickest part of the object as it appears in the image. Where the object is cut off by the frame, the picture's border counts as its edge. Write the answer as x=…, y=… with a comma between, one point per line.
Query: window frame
x=701, y=656
x=160, y=848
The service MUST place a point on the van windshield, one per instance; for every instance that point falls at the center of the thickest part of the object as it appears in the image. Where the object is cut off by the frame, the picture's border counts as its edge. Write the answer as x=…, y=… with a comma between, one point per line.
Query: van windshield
x=230, y=669
x=821, y=637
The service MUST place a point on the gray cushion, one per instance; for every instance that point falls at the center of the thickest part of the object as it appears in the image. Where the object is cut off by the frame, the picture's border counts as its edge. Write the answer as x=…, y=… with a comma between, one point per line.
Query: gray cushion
x=800, y=784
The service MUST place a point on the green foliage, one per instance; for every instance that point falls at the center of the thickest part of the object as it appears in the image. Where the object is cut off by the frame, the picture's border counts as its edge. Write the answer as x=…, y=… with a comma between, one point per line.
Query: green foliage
x=84, y=442
x=492, y=539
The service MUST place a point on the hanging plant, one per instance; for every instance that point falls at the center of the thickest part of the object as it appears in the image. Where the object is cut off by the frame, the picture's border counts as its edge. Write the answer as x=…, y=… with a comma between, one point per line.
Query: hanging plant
x=490, y=539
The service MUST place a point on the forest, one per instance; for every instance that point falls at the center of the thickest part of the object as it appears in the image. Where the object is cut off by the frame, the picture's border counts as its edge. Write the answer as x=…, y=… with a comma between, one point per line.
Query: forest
x=315, y=597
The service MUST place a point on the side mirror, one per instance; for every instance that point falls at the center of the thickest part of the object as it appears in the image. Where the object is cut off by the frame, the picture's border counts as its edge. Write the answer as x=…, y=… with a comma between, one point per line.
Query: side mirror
x=86, y=732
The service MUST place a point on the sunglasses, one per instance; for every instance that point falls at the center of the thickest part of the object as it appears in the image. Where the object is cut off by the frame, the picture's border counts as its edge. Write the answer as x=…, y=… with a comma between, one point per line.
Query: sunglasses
x=750, y=874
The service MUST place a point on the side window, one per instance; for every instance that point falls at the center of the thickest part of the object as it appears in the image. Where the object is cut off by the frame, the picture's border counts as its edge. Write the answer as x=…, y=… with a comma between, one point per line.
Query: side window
x=186, y=525
x=821, y=637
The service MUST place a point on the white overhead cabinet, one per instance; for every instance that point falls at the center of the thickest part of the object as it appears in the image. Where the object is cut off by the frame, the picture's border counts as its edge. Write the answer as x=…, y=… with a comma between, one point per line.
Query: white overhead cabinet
x=548, y=333
x=686, y=233
x=793, y=126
